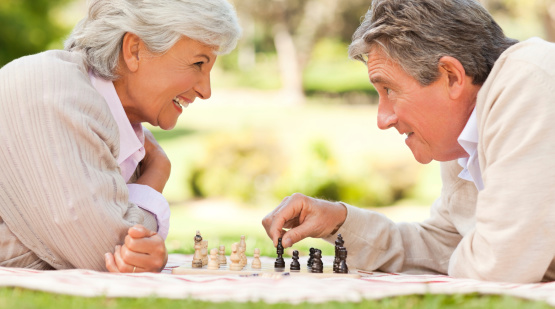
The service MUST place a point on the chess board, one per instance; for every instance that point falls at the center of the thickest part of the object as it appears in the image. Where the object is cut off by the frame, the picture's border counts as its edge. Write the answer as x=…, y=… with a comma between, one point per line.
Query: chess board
x=267, y=270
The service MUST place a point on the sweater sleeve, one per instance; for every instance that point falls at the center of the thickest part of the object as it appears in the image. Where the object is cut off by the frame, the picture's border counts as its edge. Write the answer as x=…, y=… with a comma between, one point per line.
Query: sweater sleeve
x=374, y=242
x=61, y=191
x=515, y=215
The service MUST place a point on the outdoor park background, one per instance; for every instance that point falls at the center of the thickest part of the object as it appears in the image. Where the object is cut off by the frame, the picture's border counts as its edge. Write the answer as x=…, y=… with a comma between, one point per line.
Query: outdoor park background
x=289, y=113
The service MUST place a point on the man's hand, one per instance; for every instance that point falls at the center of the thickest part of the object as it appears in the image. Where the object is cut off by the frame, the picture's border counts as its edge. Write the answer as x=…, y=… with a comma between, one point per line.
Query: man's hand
x=305, y=217
x=155, y=167
x=143, y=251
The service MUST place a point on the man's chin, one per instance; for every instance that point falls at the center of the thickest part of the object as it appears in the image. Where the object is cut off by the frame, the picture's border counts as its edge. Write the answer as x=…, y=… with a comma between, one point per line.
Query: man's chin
x=422, y=159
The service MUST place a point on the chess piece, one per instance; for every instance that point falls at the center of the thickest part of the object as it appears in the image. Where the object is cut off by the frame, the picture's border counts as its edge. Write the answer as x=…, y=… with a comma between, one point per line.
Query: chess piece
x=317, y=265
x=343, y=269
x=221, y=256
x=280, y=263
x=256, y=264
x=242, y=250
x=295, y=265
x=338, y=244
x=213, y=264
x=197, y=258
x=235, y=258
x=310, y=258
x=204, y=252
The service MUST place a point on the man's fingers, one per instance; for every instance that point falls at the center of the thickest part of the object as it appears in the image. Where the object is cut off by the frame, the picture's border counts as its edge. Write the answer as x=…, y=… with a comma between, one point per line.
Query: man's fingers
x=289, y=212
x=297, y=234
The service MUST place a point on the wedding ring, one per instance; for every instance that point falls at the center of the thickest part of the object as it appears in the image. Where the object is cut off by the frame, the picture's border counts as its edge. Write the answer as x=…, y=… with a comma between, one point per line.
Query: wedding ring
x=134, y=267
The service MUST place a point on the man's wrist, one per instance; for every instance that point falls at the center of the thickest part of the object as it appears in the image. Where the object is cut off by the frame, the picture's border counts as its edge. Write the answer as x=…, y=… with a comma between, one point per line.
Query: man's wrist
x=342, y=215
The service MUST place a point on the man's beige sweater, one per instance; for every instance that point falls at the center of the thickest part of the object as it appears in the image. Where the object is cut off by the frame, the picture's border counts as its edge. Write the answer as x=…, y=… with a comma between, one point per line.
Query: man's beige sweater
x=63, y=201
x=505, y=232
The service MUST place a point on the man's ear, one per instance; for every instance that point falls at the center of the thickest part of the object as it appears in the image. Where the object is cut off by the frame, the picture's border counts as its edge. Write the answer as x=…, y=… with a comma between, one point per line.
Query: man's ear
x=130, y=49
x=454, y=73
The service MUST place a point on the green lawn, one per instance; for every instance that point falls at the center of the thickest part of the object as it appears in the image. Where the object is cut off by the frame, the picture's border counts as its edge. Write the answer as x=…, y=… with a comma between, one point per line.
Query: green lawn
x=25, y=299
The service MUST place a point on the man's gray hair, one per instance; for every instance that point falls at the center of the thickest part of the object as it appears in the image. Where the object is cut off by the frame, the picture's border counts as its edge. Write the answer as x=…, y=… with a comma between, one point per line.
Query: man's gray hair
x=159, y=23
x=417, y=33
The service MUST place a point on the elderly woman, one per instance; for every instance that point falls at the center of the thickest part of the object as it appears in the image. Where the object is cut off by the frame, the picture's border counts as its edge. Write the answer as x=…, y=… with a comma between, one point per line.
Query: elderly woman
x=82, y=179
x=482, y=104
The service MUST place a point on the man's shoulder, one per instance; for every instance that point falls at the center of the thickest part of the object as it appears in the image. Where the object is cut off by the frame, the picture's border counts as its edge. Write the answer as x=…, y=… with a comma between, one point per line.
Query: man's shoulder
x=534, y=51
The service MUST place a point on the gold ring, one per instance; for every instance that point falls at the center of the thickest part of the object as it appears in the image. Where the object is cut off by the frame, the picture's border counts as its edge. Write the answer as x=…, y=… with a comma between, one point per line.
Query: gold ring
x=134, y=267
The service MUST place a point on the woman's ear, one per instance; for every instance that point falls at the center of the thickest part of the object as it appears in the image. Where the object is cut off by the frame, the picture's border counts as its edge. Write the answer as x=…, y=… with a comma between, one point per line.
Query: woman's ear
x=454, y=73
x=130, y=49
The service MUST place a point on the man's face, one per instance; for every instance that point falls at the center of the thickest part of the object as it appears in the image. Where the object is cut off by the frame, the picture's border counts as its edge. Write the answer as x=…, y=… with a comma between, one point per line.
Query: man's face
x=429, y=118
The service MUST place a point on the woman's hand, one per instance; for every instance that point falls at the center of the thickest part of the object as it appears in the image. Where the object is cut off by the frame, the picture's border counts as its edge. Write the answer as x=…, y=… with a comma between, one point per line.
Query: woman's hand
x=143, y=251
x=155, y=167
x=305, y=217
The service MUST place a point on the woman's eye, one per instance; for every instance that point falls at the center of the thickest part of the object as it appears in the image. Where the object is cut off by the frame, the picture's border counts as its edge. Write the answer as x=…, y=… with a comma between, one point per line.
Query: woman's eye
x=199, y=64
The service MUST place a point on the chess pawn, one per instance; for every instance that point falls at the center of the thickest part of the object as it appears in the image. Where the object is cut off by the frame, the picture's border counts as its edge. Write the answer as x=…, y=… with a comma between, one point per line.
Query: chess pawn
x=242, y=250
x=317, y=265
x=310, y=258
x=295, y=265
x=204, y=252
x=221, y=257
x=235, y=258
x=213, y=264
x=256, y=264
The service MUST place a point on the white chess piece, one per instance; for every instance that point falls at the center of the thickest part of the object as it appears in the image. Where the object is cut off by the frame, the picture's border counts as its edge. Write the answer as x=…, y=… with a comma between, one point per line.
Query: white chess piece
x=197, y=258
x=213, y=263
x=235, y=258
x=221, y=257
x=256, y=264
x=242, y=250
x=204, y=252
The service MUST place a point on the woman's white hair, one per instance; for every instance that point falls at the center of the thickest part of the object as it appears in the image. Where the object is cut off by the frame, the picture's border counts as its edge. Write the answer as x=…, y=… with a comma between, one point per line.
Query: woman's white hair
x=159, y=23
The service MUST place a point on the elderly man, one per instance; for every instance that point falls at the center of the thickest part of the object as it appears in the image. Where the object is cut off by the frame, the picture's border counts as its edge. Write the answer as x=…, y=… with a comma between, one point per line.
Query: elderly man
x=483, y=105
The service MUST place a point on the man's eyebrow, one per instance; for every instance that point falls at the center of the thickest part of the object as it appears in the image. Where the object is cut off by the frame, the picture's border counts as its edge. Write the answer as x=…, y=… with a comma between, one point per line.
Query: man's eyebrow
x=378, y=80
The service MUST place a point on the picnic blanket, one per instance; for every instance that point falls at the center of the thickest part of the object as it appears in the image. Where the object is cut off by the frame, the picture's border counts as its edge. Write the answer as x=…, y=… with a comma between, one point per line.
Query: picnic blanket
x=270, y=289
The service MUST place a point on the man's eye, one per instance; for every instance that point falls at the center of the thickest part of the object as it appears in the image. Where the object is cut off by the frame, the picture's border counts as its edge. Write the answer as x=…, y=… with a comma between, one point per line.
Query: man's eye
x=199, y=64
x=387, y=90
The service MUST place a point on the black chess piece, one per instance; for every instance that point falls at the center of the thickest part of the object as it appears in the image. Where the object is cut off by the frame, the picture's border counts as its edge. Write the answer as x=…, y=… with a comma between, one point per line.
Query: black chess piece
x=338, y=244
x=343, y=269
x=280, y=262
x=310, y=258
x=317, y=265
x=295, y=265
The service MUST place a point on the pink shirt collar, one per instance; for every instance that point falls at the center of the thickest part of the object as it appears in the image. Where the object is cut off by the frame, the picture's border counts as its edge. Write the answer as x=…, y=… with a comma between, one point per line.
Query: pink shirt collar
x=131, y=137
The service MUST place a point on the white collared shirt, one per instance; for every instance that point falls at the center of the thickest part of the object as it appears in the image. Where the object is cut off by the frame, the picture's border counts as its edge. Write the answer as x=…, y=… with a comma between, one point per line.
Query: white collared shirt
x=469, y=142
x=131, y=152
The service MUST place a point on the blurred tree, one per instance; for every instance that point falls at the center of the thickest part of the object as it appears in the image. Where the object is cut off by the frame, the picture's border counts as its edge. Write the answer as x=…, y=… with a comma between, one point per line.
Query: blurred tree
x=28, y=27
x=295, y=26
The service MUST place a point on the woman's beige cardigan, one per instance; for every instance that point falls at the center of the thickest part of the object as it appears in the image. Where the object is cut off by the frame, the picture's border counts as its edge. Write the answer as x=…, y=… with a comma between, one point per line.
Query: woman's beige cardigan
x=63, y=201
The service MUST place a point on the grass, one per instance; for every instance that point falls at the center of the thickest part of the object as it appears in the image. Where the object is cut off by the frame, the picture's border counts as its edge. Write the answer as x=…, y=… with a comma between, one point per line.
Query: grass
x=26, y=299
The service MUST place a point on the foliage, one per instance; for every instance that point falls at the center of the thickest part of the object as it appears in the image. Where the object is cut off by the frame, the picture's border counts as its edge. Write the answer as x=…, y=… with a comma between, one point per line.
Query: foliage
x=21, y=298
x=28, y=27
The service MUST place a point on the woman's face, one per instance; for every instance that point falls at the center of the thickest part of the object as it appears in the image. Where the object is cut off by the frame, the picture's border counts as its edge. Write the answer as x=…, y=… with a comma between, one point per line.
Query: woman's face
x=156, y=88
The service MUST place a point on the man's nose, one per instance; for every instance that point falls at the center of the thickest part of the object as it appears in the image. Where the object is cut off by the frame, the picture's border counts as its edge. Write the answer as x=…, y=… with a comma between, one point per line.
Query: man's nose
x=386, y=116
